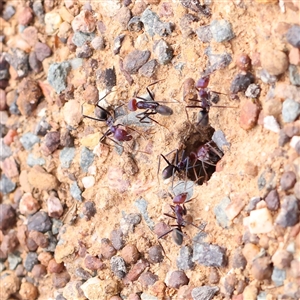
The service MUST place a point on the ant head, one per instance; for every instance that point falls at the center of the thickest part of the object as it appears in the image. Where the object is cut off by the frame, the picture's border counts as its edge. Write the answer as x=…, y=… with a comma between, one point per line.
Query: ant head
x=101, y=114
x=132, y=104
x=181, y=198
x=202, y=83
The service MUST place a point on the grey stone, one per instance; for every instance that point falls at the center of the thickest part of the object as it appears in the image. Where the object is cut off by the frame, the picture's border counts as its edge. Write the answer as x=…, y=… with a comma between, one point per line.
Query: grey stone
x=116, y=237
x=66, y=156
x=82, y=274
x=38, y=10
x=2, y=266
x=19, y=61
x=40, y=221
x=153, y=25
x=31, y=260
x=128, y=222
x=142, y=205
x=290, y=110
x=252, y=91
x=278, y=276
x=217, y=61
x=42, y=127
x=84, y=51
x=241, y=82
x=14, y=109
x=262, y=296
x=76, y=63
x=252, y=204
x=204, y=34
x=28, y=140
x=289, y=213
x=184, y=260
x=266, y=77
x=52, y=242
x=293, y=36
x=221, y=30
x=75, y=191
x=6, y=185
x=79, y=38
x=118, y=266
x=56, y=226
x=13, y=260
x=163, y=51
x=86, y=158
x=204, y=292
x=209, y=255
x=57, y=76
x=118, y=43
x=5, y=150
x=185, y=24
x=220, y=139
x=8, y=12
x=220, y=213
x=294, y=75
x=135, y=59
x=33, y=161
x=148, y=69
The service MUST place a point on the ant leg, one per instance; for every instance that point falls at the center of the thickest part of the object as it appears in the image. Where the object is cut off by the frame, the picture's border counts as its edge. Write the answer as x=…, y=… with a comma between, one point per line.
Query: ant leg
x=164, y=234
x=92, y=118
x=147, y=88
x=170, y=216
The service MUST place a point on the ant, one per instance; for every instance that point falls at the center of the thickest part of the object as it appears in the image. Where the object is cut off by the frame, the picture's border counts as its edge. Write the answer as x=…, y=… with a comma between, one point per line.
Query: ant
x=121, y=135
x=180, y=211
x=205, y=101
x=206, y=154
x=151, y=107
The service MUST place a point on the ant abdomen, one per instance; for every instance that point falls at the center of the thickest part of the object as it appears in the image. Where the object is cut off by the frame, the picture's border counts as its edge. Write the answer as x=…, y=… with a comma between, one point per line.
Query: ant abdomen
x=168, y=172
x=164, y=110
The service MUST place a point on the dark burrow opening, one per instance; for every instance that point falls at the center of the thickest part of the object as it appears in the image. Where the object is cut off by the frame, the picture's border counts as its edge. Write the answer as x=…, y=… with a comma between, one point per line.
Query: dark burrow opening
x=199, y=145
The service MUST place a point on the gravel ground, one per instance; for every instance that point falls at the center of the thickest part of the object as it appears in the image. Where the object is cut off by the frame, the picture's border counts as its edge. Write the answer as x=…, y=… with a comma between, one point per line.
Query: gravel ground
x=87, y=206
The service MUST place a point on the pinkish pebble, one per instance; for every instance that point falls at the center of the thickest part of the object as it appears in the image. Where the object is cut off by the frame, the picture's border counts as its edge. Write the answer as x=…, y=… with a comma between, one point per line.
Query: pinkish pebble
x=9, y=167
x=55, y=208
x=249, y=115
x=28, y=205
x=42, y=51
x=9, y=138
x=2, y=100
x=84, y=22
x=25, y=16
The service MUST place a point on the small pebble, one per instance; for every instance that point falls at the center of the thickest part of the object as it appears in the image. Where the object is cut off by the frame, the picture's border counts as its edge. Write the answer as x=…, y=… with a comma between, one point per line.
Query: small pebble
x=116, y=237
x=290, y=110
x=51, y=142
x=9, y=242
x=13, y=261
x=39, y=238
x=243, y=62
x=149, y=68
x=282, y=259
x=98, y=43
x=272, y=200
x=40, y=221
x=9, y=284
x=220, y=139
x=249, y=115
x=8, y=12
x=28, y=140
x=31, y=245
x=204, y=292
x=238, y=260
x=30, y=260
x=135, y=272
x=66, y=156
x=84, y=51
x=28, y=291
x=79, y=38
x=184, y=260
x=204, y=33
x=220, y=214
x=271, y=124
x=156, y=254
x=230, y=282
x=278, y=276
x=295, y=268
x=177, y=279
x=294, y=75
x=118, y=267
x=54, y=267
x=57, y=76
x=10, y=167
x=147, y=279
x=89, y=209
x=269, y=55
x=86, y=158
x=289, y=213
x=266, y=77
x=93, y=263
x=33, y=161
x=293, y=36
x=262, y=268
x=25, y=16
x=130, y=254
x=55, y=208
x=72, y=290
x=288, y=180
x=60, y=280
x=241, y=82
x=7, y=216
x=221, y=30
x=82, y=274
x=135, y=24
x=44, y=258
x=38, y=10
x=107, y=250
x=186, y=24
x=163, y=52
x=209, y=255
x=135, y=59
x=84, y=22
x=250, y=292
x=252, y=91
x=294, y=56
x=260, y=221
x=42, y=51
x=75, y=191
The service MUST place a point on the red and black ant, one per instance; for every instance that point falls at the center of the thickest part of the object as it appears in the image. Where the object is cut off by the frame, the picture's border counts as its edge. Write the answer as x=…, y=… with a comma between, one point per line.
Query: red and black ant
x=151, y=107
x=120, y=135
x=180, y=211
x=205, y=101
